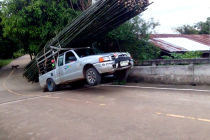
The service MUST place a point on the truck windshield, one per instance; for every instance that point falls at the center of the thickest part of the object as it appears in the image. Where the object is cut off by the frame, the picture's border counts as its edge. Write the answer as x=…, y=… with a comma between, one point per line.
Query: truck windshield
x=87, y=52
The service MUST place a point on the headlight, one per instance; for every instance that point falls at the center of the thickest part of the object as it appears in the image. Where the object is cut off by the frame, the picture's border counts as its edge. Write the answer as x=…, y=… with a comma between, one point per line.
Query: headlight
x=103, y=59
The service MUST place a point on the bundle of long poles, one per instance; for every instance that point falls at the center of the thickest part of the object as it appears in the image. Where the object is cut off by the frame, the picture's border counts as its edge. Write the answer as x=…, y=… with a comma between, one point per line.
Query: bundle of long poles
x=96, y=21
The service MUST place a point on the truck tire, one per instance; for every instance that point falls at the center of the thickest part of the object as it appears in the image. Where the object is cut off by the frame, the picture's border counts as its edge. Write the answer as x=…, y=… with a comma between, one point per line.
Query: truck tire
x=93, y=77
x=122, y=75
x=51, y=85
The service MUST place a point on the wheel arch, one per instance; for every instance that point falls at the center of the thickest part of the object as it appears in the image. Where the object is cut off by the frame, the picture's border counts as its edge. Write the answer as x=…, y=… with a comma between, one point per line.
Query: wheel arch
x=86, y=67
x=54, y=86
x=48, y=79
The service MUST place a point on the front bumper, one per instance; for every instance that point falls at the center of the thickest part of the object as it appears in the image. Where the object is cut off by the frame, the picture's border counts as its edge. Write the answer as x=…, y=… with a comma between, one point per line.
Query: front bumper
x=112, y=66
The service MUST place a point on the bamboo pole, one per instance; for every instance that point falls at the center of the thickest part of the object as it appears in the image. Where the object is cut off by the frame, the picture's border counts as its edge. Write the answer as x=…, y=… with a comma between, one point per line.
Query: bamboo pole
x=97, y=20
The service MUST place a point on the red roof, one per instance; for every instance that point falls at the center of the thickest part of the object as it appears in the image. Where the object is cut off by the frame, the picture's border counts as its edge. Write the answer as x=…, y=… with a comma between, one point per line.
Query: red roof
x=156, y=39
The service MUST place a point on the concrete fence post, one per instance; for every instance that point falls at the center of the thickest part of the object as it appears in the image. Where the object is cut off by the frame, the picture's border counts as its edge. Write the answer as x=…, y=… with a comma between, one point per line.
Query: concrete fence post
x=192, y=67
x=154, y=64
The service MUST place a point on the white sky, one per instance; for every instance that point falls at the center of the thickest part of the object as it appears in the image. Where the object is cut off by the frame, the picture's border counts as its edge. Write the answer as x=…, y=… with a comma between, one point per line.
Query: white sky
x=187, y=44
x=173, y=13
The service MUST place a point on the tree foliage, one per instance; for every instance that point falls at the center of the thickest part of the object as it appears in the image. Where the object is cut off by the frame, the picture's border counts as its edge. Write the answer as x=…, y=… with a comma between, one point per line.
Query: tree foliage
x=198, y=28
x=33, y=22
x=7, y=44
x=132, y=37
x=187, y=55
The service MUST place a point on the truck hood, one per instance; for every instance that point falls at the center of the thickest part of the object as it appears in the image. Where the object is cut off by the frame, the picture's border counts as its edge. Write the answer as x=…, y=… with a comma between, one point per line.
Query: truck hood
x=103, y=55
x=112, y=53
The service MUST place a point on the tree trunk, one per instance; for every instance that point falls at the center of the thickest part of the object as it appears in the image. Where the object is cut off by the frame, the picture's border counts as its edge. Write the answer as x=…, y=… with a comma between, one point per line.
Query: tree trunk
x=88, y=4
x=31, y=56
x=79, y=7
x=82, y=5
x=71, y=4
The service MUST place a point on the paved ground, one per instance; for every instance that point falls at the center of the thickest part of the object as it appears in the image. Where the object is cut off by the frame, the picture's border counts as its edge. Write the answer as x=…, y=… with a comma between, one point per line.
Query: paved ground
x=134, y=111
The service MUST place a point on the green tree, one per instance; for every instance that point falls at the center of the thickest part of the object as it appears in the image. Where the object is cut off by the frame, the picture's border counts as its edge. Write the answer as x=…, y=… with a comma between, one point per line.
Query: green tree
x=186, y=29
x=132, y=37
x=33, y=22
x=7, y=45
x=204, y=27
x=187, y=55
x=198, y=28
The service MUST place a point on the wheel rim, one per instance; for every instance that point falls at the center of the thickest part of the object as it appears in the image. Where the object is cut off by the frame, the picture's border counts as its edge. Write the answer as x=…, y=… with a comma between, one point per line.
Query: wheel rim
x=50, y=85
x=91, y=76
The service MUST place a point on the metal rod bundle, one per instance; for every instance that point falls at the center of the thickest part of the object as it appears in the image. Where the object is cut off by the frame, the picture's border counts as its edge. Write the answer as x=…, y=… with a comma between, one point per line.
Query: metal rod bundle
x=96, y=21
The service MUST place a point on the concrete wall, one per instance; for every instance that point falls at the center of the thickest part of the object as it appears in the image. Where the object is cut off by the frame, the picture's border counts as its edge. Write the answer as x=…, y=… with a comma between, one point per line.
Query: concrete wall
x=177, y=74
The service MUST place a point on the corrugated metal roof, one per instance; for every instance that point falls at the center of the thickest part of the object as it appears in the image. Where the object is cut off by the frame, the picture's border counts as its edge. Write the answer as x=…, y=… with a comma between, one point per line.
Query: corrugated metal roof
x=181, y=43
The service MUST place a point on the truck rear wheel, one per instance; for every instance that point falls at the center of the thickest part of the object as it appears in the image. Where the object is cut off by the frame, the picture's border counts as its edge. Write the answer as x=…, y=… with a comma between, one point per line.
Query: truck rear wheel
x=51, y=85
x=93, y=77
x=122, y=75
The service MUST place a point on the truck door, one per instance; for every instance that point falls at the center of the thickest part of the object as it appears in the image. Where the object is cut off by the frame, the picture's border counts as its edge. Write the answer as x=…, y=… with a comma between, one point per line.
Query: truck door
x=59, y=69
x=71, y=69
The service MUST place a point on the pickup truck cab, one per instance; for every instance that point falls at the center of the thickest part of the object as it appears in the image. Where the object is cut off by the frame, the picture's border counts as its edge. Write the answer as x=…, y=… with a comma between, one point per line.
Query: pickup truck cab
x=85, y=63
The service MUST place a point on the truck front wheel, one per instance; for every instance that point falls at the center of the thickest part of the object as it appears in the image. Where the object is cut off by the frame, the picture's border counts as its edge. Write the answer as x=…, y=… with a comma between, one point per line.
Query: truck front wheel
x=93, y=77
x=51, y=85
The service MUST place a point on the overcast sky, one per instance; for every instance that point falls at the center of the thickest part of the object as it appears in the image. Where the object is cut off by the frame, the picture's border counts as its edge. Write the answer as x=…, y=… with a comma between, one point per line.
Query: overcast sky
x=173, y=13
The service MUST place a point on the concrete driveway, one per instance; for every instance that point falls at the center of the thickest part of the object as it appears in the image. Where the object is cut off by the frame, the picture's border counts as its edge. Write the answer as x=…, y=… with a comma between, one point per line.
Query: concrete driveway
x=134, y=111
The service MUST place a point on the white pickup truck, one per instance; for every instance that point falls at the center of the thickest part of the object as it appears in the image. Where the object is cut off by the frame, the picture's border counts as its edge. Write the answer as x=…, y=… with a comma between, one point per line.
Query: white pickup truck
x=75, y=65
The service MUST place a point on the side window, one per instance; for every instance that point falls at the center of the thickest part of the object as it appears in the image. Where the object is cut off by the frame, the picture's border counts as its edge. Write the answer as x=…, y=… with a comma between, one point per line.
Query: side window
x=70, y=57
x=60, y=60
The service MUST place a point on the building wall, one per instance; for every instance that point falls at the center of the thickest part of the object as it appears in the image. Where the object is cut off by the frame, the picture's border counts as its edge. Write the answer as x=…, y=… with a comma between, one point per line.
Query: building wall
x=179, y=74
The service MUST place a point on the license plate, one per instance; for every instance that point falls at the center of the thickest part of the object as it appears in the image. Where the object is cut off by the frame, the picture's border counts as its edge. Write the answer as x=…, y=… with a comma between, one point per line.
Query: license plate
x=123, y=63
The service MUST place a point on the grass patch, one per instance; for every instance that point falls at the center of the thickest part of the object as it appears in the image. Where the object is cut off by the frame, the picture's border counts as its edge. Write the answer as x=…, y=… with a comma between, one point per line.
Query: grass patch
x=4, y=62
x=117, y=82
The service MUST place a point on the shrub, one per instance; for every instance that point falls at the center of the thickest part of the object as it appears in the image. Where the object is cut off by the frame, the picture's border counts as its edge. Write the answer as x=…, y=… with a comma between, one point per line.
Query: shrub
x=16, y=55
x=186, y=55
